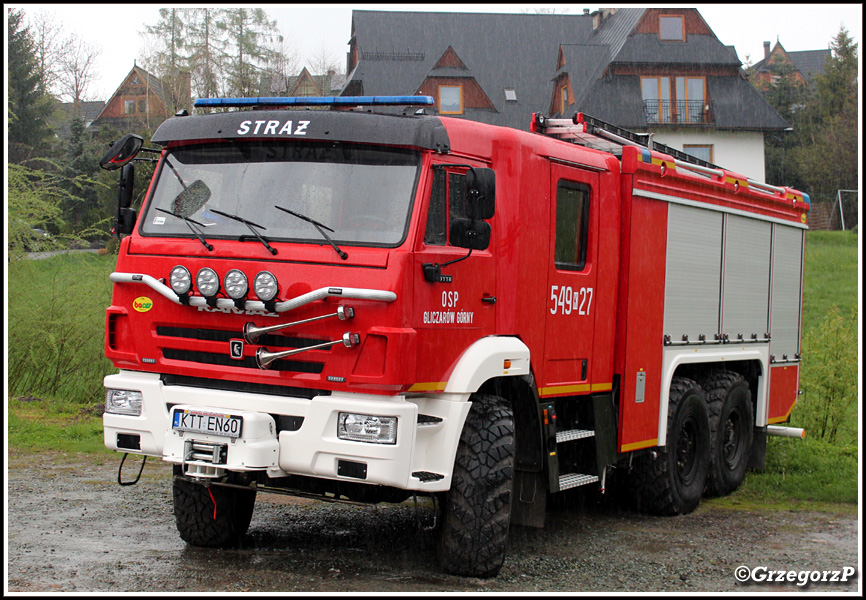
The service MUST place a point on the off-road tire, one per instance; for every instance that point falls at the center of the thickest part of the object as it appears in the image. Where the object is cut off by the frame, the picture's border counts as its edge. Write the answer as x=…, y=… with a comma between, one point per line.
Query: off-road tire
x=211, y=516
x=732, y=424
x=477, y=509
x=670, y=480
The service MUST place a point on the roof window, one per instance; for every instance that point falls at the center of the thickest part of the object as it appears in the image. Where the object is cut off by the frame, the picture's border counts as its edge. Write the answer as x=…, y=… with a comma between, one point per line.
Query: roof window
x=510, y=95
x=672, y=28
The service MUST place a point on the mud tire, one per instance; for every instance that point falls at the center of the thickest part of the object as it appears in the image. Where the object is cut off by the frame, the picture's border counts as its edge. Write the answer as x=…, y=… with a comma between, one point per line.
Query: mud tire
x=200, y=523
x=731, y=428
x=477, y=509
x=670, y=480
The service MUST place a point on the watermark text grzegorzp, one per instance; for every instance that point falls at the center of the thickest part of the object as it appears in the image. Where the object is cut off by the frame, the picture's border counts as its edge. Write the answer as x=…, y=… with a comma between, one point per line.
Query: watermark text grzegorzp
x=802, y=578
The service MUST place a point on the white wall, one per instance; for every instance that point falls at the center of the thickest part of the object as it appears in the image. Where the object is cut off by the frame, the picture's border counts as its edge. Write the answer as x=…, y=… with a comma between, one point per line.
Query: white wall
x=741, y=152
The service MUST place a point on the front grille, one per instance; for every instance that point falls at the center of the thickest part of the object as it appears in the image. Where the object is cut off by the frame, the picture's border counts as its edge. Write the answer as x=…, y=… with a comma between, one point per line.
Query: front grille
x=228, y=385
x=217, y=335
x=248, y=362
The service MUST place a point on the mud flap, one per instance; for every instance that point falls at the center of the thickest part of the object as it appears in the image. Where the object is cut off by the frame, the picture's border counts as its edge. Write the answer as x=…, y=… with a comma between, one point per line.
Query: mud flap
x=529, y=503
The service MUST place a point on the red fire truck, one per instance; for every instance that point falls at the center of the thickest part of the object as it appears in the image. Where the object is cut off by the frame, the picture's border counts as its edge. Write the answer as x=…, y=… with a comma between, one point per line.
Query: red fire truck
x=368, y=306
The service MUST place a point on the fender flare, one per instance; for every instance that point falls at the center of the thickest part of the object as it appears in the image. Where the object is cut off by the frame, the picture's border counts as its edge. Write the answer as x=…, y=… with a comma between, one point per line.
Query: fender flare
x=486, y=359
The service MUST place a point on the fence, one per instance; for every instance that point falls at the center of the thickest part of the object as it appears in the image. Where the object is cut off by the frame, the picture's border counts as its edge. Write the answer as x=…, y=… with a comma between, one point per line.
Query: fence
x=842, y=213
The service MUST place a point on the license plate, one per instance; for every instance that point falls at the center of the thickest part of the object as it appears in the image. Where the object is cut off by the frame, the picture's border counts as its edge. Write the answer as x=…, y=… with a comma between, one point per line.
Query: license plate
x=205, y=422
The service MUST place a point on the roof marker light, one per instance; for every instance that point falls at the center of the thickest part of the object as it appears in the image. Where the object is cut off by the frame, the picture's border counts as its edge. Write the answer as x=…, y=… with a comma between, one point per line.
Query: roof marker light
x=317, y=101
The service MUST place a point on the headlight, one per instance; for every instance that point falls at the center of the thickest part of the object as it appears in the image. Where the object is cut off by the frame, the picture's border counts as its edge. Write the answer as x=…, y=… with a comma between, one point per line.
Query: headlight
x=180, y=280
x=207, y=282
x=123, y=402
x=265, y=286
x=236, y=284
x=367, y=428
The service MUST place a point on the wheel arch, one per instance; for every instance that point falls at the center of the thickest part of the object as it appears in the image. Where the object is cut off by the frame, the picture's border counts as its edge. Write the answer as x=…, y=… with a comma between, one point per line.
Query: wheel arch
x=752, y=362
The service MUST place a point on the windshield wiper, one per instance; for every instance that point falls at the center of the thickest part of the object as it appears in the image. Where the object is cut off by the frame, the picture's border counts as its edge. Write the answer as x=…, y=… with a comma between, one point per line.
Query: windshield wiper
x=321, y=229
x=189, y=223
x=250, y=225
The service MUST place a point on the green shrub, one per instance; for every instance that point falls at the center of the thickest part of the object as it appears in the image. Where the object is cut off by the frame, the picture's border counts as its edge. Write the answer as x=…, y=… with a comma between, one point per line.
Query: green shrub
x=56, y=316
x=829, y=376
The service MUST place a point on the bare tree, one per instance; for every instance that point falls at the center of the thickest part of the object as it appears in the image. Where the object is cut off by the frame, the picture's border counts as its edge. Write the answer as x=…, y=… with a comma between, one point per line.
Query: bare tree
x=49, y=48
x=77, y=66
x=323, y=60
x=284, y=64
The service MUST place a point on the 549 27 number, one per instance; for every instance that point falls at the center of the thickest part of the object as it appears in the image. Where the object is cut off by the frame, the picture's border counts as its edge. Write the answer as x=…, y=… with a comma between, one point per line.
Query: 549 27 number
x=567, y=300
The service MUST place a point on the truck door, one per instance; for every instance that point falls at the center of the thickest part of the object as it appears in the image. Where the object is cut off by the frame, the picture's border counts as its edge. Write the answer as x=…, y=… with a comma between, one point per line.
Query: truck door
x=572, y=274
x=459, y=308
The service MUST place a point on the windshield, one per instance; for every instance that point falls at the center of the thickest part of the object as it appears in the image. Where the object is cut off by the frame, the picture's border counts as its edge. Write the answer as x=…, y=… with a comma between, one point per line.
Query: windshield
x=362, y=195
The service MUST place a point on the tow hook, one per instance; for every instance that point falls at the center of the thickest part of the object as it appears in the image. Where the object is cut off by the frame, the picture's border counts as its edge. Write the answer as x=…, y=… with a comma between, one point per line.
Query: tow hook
x=120, y=470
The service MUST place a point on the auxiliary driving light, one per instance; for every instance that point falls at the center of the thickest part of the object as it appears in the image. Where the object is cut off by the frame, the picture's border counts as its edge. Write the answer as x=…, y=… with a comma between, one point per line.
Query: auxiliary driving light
x=123, y=402
x=265, y=286
x=236, y=284
x=367, y=428
x=180, y=280
x=207, y=282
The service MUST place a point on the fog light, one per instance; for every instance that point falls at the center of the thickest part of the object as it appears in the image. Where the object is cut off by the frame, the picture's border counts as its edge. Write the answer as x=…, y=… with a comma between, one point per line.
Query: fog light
x=207, y=282
x=367, y=428
x=236, y=284
x=180, y=280
x=123, y=402
x=265, y=286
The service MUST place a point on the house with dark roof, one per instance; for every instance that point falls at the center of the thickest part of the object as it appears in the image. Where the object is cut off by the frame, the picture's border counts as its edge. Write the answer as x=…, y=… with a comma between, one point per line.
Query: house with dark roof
x=649, y=70
x=803, y=65
x=143, y=101
x=304, y=84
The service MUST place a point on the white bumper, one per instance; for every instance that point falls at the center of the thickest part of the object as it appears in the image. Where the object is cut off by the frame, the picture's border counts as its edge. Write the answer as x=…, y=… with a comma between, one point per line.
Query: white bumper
x=312, y=450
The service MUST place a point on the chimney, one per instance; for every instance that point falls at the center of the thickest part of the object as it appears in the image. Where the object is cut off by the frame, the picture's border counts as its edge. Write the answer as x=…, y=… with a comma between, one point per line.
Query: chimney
x=599, y=16
x=766, y=50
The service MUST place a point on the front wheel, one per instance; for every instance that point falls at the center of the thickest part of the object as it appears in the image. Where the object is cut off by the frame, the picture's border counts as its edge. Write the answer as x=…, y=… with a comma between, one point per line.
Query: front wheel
x=477, y=509
x=211, y=516
x=671, y=480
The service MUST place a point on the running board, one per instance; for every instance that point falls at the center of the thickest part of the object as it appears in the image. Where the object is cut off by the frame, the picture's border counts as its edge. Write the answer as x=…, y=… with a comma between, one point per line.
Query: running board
x=573, y=434
x=572, y=480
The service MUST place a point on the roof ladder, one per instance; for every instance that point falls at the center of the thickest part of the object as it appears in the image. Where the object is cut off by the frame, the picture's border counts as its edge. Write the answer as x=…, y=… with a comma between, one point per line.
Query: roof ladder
x=594, y=133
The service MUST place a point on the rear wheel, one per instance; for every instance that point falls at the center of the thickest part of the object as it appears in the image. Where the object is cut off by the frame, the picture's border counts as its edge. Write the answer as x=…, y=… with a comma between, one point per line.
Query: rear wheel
x=670, y=481
x=211, y=516
x=477, y=510
x=731, y=425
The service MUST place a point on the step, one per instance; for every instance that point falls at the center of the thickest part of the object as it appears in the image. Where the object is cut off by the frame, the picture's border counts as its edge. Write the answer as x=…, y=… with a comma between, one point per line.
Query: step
x=571, y=480
x=569, y=435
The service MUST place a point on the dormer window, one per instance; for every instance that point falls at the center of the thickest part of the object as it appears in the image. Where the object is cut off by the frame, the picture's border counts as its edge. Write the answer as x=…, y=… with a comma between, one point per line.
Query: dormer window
x=672, y=28
x=450, y=100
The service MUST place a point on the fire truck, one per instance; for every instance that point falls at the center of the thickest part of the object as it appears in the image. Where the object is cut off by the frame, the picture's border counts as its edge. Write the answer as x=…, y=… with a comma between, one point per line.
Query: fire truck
x=321, y=297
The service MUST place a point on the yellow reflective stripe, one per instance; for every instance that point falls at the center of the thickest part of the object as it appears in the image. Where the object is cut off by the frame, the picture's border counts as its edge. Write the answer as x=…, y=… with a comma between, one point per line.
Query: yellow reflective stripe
x=433, y=386
x=639, y=445
x=580, y=388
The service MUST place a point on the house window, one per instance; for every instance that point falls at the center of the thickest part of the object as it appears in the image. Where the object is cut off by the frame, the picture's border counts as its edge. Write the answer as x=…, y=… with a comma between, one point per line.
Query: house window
x=672, y=28
x=674, y=99
x=572, y=225
x=142, y=105
x=701, y=151
x=510, y=95
x=128, y=107
x=563, y=99
x=450, y=100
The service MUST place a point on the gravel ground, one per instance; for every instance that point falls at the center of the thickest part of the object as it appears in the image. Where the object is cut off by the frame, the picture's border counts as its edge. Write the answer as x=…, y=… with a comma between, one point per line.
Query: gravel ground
x=72, y=528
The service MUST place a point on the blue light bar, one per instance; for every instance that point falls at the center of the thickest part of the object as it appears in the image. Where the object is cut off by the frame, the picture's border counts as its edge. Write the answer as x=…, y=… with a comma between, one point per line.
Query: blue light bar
x=317, y=101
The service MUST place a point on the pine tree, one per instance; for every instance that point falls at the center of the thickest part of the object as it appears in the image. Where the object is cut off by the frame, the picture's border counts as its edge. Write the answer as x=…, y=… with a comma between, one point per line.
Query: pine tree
x=30, y=107
x=251, y=34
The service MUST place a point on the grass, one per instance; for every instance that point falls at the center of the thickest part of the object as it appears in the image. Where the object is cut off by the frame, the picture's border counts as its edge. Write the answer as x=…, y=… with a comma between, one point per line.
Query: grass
x=56, y=363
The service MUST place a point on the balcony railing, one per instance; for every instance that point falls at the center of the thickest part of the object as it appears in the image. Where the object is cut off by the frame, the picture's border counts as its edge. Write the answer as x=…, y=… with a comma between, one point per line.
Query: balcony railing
x=680, y=112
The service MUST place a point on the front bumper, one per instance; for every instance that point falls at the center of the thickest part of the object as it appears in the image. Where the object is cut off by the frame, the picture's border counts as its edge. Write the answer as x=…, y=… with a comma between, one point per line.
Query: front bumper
x=312, y=449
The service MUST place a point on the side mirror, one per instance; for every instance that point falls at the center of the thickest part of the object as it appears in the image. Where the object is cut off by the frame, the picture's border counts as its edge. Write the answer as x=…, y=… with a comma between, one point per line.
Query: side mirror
x=470, y=233
x=192, y=198
x=121, y=152
x=125, y=185
x=125, y=221
x=481, y=185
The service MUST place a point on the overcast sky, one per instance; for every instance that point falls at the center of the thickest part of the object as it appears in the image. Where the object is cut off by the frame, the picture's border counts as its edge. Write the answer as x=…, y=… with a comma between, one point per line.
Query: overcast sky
x=115, y=27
